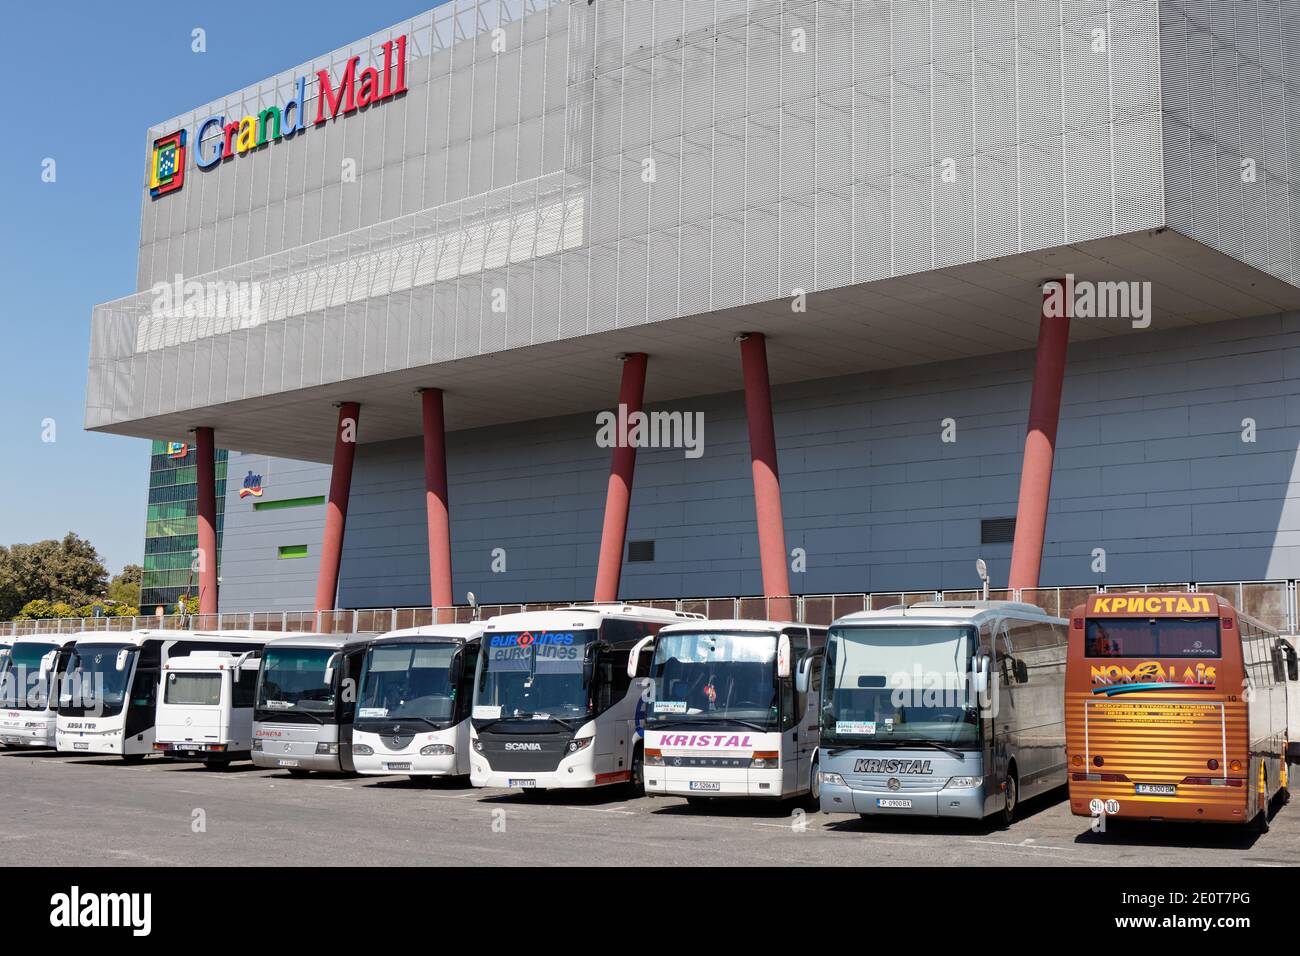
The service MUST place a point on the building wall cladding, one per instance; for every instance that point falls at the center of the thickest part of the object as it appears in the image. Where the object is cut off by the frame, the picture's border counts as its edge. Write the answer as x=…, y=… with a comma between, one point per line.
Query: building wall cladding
x=253, y=576
x=622, y=163
x=1230, y=74
x=1151, y=467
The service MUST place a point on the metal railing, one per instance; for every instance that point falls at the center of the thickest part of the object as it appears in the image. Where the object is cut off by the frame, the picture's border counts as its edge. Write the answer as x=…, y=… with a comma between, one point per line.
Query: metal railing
x=1272, y=602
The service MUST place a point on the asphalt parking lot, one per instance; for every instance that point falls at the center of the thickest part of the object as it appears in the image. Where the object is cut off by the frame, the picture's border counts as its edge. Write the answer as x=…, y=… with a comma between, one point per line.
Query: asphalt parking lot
x=78, y=811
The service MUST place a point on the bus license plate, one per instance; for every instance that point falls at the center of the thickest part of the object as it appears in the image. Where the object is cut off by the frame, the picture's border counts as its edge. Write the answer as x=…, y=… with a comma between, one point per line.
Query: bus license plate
x=710, y=785
x=397, y=766
x=286, y=763
x=894, y=804
x=80, y=745
x=516, y=782
x=1158, y=789
x=189, y=746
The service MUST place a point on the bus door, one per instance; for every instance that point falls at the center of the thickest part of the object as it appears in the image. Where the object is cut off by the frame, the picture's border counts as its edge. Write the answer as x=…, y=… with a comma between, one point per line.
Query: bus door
x=345, y=696
x=804, y=714
x=142, y=701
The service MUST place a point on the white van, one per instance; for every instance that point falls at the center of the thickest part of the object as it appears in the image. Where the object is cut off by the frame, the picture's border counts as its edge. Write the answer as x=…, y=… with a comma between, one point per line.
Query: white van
x=414, y=700
x=205, y=710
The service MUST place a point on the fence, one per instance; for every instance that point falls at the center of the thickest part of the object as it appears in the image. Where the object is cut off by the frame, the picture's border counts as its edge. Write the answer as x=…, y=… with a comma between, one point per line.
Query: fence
x=1272, y=602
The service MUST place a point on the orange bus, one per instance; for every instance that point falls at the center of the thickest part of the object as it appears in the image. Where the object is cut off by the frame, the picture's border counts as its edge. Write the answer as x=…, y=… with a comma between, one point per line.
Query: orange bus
x=1175, y=709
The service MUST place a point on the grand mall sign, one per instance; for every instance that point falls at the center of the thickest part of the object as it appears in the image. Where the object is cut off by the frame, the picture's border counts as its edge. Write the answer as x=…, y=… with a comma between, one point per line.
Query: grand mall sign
x=216, y=140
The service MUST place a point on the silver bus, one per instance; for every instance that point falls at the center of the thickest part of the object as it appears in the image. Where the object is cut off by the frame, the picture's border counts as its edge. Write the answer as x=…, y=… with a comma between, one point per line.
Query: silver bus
x=306, y=702
x=943, y=709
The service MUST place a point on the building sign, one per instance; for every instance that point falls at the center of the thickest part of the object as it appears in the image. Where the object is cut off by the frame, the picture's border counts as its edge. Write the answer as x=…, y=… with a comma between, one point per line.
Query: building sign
x=252, y=486
x=167, y=165
x=216, y=140
x=177, y=450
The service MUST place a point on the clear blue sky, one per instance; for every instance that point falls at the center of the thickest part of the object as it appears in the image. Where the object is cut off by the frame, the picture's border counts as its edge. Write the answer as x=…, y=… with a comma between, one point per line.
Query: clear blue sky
x=85, y=80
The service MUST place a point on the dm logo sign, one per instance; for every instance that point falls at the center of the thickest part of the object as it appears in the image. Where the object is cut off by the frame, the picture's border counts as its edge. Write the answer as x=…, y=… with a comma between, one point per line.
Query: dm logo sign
x=167, y=164
x=252, y=486
x=177, y=450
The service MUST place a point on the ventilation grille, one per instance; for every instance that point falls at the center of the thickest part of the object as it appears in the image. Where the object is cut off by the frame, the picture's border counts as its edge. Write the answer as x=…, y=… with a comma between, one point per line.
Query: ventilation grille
x=997, y=530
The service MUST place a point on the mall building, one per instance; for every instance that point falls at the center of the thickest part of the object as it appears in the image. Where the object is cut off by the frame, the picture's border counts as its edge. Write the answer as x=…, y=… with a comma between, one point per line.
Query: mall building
x=908, y=284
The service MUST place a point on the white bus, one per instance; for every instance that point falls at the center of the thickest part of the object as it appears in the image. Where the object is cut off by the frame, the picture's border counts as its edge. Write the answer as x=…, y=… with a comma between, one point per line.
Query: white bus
x=108, y=689
x=733, y=710
x=306, y=702
x=28, y=697
x=943, y=709
x=413, y=705
x=553, y=704
x=206, y=708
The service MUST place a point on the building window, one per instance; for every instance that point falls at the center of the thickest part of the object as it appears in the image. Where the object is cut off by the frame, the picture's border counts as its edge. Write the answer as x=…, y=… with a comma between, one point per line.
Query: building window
x=997, y=530
x=293, y=551
x=288, y=503
x=640, y=551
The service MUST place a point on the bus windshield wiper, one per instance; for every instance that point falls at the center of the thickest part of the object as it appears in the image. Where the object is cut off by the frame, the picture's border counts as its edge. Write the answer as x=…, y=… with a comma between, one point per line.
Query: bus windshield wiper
x=936, y=745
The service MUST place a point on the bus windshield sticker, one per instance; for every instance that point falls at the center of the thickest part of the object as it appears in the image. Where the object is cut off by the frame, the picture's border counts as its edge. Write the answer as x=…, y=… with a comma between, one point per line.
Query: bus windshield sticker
x=364, y=712
x=867, y=727
x=670, y=707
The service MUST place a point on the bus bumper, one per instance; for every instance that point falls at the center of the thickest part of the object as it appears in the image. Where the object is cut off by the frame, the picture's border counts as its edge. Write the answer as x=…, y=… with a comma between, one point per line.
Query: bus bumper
x=712, y=782
x=387, y=764
x=81, y=742
x=966, y=803
x=20, y=730
x=322, y=763
x=1192, y=803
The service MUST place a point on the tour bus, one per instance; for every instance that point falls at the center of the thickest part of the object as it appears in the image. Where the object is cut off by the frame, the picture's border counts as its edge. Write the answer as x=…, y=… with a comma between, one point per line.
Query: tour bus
x=205, y=711
x=943, y=709
x=733, y=710
x=413, y=705
x=29, y=701
x=1176, y=709
x=553, y=704
x=306, y=702
x=108, y=688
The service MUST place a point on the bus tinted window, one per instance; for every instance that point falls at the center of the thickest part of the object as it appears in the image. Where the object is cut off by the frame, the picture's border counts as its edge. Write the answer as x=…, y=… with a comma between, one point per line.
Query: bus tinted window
x=197, y=690
x=1152, y=637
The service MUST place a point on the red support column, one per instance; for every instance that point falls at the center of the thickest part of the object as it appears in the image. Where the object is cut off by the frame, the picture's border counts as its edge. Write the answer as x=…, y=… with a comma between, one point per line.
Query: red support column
x=336, y=511
x=767, y=481
x=618, y=495
x=206, y=473
x=435, y=498
x=1040, y=439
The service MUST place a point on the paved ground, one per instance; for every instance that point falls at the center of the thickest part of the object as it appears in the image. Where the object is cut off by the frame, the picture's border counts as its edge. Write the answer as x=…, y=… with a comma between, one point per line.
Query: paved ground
x=62, y=811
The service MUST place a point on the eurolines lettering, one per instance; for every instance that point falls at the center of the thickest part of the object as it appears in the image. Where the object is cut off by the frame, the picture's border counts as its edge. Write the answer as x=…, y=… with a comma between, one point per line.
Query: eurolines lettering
x=216, y=140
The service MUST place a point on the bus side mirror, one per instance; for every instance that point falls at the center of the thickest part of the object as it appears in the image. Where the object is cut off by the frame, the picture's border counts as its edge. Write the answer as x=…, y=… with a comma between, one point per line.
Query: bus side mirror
x=980, y=677
x=783, y=656
x=47, y=664
x=1022, y=672
x=634, y=657
x=456, y=669
x=1289, y=656
x=330, y=665
x=120, y=663
x=805, y=669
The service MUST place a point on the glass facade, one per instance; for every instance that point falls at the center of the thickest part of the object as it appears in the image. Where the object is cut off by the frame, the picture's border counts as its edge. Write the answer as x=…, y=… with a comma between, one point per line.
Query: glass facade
x=172, y=525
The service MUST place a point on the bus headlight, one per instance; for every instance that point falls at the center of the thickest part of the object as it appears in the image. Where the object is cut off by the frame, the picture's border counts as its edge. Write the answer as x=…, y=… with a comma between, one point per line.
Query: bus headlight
x=654, y=757
x=963, y=783
x=327, y=748
x=437, y=750
x=478, y=745
x=361, y=750
x=765, y=760
x=257, y=744
x=580, y=743
x=834, y=779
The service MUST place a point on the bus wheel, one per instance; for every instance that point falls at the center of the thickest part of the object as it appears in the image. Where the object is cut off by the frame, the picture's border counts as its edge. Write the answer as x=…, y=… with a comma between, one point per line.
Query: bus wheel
x=815, y=786
x=637, y=783
x=1008, y=814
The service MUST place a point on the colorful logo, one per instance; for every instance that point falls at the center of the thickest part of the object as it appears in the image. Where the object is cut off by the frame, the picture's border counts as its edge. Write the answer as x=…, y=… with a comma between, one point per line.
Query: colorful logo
x=167, y=165
x=1114, y=679
x=252, y=486
x=177, y=449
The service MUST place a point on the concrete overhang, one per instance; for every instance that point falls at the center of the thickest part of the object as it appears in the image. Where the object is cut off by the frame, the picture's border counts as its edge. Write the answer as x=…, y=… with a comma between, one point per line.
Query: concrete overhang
x=962, y=312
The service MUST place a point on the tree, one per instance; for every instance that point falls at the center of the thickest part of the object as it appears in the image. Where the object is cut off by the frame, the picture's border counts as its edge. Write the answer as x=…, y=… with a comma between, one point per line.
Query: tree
x=60, y=572
x=125, y=586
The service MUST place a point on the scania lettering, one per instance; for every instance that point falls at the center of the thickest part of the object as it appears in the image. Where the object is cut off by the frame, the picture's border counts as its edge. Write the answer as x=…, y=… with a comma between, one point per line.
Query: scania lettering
x=554, y=705
x=1177, y=709
x=306, y=702
x=205, y=711
x=28, y=693
x=733, y=710
x=943, y=709
x=108, y=689
x=416, y=694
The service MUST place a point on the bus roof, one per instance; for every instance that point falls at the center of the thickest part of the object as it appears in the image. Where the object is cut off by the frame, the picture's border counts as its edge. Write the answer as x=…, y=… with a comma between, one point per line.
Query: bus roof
x=451, y=632
x=949, y=612
x=735, y=624
x=58, y=640
x=583, y=615
x=210, y=661
x=333, y=642
x=163, y=634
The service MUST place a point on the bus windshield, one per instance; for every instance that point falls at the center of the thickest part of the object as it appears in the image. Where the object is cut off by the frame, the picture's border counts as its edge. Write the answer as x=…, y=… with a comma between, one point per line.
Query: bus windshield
x=96, y=679
x=885, y=684
x=534, y=676
x=1152, y=637
x=708, y=677
x=21, y=686
x=293, y=684
x=407, y=682
x=193, y=689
